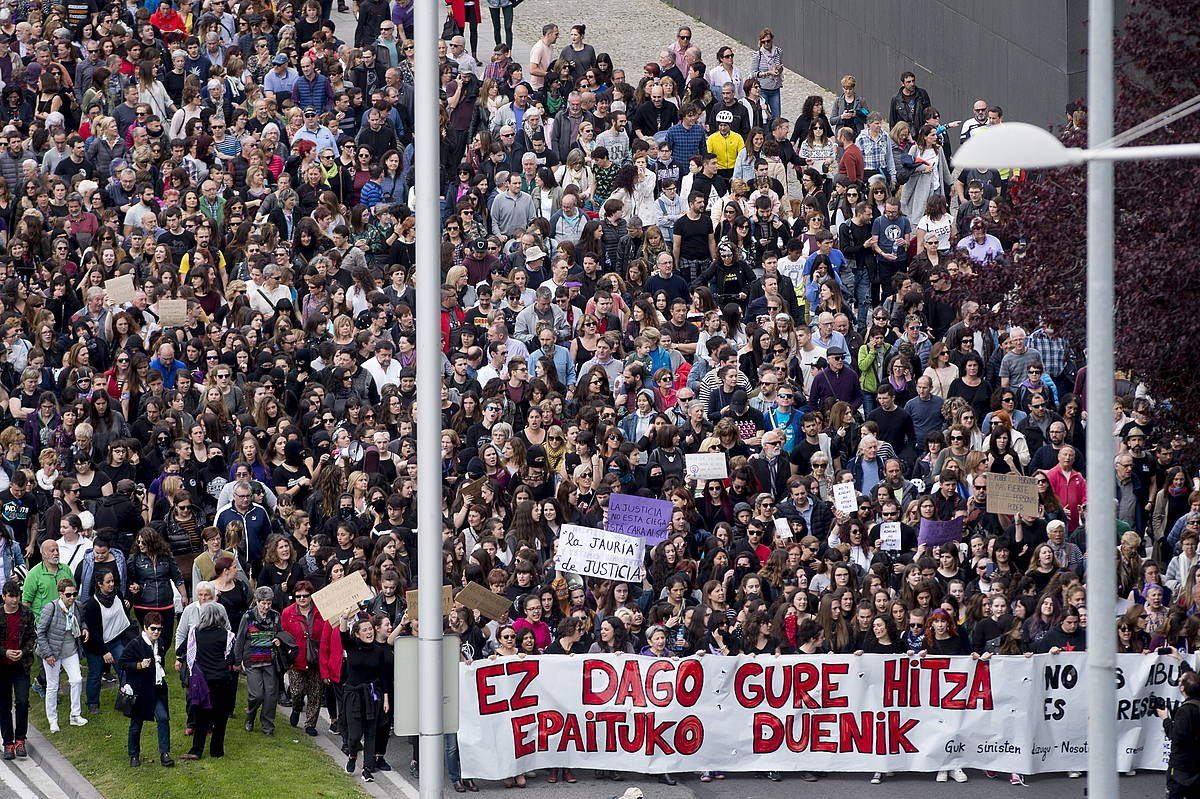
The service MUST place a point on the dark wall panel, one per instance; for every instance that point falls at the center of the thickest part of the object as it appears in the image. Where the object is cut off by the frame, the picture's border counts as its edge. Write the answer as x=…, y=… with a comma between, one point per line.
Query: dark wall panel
x=1024, y=55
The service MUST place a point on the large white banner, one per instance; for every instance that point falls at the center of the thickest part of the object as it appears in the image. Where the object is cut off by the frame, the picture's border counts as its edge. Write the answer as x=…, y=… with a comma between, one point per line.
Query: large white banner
x=834, y=713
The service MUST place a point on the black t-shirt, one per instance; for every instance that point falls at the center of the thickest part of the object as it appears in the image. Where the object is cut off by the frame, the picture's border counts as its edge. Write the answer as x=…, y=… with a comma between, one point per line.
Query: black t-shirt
x=285, y=478
x=178, y=243
x=16, y=513
x=803, y=452
x=693, y=235
x=895, y=426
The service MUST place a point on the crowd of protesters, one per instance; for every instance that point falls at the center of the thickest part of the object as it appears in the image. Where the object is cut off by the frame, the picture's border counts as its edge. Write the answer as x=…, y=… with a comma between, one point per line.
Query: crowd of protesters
x=639, y=262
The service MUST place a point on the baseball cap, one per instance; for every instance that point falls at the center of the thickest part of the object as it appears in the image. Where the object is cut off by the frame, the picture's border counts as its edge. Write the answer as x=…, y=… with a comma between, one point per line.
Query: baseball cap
x=279, y=59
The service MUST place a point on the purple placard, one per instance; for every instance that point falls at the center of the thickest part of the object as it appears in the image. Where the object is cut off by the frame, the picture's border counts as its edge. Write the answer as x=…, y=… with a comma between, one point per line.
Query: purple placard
x=934, y=532
x=643, y=517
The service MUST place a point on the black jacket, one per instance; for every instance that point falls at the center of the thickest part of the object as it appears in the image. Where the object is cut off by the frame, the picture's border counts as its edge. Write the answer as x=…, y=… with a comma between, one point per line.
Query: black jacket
x=142, y=680
x=900, y=110
x=1183, y=728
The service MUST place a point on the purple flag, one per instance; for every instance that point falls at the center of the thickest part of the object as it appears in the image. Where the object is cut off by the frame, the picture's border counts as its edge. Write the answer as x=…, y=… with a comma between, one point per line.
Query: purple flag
x=643, y=517
x=934, y=532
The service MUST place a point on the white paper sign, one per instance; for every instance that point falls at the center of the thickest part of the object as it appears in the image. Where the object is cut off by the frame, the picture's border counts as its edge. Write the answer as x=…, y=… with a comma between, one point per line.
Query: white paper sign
x=845, y=498
x=889, y=536
x=783, y=530
x=591, y=552
x=706, y=466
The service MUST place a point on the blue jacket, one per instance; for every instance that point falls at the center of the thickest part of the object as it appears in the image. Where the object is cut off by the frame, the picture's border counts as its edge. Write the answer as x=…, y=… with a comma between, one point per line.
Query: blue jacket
x=563, y=363
x=87, y=569
x=317, y=93
x=258, y=527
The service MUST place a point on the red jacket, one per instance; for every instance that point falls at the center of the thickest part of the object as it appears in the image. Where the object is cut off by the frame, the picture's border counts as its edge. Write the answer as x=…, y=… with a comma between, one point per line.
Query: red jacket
x=458, y=9
x=293, y=624
x=331, y=652
x=1071, y=492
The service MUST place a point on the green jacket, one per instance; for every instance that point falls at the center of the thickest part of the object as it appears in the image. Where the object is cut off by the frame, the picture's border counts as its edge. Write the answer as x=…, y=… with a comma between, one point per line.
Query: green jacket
x=870, y=362
x=41, y=587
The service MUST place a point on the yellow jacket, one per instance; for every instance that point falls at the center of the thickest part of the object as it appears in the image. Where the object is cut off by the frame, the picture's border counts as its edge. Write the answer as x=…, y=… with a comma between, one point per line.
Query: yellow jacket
x=726, y=148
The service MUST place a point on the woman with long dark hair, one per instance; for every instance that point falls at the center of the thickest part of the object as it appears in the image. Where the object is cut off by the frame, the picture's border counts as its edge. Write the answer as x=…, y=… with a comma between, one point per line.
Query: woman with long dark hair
x=152, y=573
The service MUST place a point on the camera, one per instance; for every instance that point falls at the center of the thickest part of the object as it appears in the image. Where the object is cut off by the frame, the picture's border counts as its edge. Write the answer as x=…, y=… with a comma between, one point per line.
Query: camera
x=1157, y=703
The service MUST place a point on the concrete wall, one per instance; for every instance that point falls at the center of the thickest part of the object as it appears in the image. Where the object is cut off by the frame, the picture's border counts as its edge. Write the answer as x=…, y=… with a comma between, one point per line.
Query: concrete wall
x=1024, y=55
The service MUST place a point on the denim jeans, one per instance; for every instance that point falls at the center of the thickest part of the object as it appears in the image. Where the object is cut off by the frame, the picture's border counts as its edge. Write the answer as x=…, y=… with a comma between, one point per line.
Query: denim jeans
x=772, y=98
x=861, y=293
x=453, y=764
x=95, y=666
x=162, y=718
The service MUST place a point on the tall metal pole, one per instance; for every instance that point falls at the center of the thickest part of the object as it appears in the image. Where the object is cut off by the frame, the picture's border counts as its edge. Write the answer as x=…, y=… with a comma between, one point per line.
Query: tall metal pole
x=429, y=363
x=1101, y=516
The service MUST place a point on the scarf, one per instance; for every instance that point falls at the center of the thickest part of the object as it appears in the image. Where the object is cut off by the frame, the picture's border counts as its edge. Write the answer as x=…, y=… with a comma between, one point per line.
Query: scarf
x=160, y=675
x=72, y=625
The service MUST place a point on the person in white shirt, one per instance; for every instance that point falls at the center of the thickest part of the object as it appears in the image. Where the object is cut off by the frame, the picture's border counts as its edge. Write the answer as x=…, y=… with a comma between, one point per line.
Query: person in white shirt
x=72, y=546
x=978, y=120
x=265, y=298
x=459, y=55
x=382, y=368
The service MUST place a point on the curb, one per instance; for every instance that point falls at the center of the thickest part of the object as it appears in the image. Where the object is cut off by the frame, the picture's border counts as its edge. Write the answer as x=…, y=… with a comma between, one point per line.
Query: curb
x=331, y=745
x=58, y=769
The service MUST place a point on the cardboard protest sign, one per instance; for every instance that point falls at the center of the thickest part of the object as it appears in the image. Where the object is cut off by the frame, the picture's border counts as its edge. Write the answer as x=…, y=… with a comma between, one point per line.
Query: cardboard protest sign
x=476, y=597
x=591, y=552
x=413, y=598
x=120, y=288
x=706, y=466
x=1010, y=494
x=641, y=517
x=343, y=596
x=934, y=532
x=845, y=497
x=473, y=489
x=172, y=313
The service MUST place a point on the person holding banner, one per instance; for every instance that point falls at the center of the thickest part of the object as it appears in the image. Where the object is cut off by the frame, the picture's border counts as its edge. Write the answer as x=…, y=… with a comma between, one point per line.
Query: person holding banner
x=363, y=699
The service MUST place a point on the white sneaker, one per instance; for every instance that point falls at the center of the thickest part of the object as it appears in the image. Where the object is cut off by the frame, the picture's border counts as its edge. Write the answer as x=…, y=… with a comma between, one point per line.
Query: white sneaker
x=942, y=775
x=1074, y=775
x=78, y=721
x=1131, y=773
x=54, y=726
x=958, y=775
x=876, y=778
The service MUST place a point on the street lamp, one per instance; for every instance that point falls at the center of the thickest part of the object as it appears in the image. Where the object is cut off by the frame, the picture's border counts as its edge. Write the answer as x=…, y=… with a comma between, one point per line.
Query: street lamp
x=1017, y=145
x=429, y=380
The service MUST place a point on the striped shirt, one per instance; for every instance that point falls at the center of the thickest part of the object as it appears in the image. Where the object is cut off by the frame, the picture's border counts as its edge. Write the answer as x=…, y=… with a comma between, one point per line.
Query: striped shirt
x=762, y=62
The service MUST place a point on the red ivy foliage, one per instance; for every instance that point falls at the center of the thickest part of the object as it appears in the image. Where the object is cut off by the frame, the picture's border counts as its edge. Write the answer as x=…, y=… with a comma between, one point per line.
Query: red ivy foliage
x=1157, y=221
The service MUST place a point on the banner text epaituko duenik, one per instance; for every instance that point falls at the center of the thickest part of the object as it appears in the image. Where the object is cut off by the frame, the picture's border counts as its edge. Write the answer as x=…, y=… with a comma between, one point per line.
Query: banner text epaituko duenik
x=790, y=713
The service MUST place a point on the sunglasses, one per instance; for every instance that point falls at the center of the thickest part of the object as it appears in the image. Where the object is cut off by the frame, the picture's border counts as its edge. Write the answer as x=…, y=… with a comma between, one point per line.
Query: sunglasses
x=154, y=628
x=301, y=596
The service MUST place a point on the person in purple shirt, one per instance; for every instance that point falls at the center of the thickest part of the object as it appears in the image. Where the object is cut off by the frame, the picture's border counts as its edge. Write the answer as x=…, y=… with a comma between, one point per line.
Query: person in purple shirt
x=836, y=381
x=981, y=247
